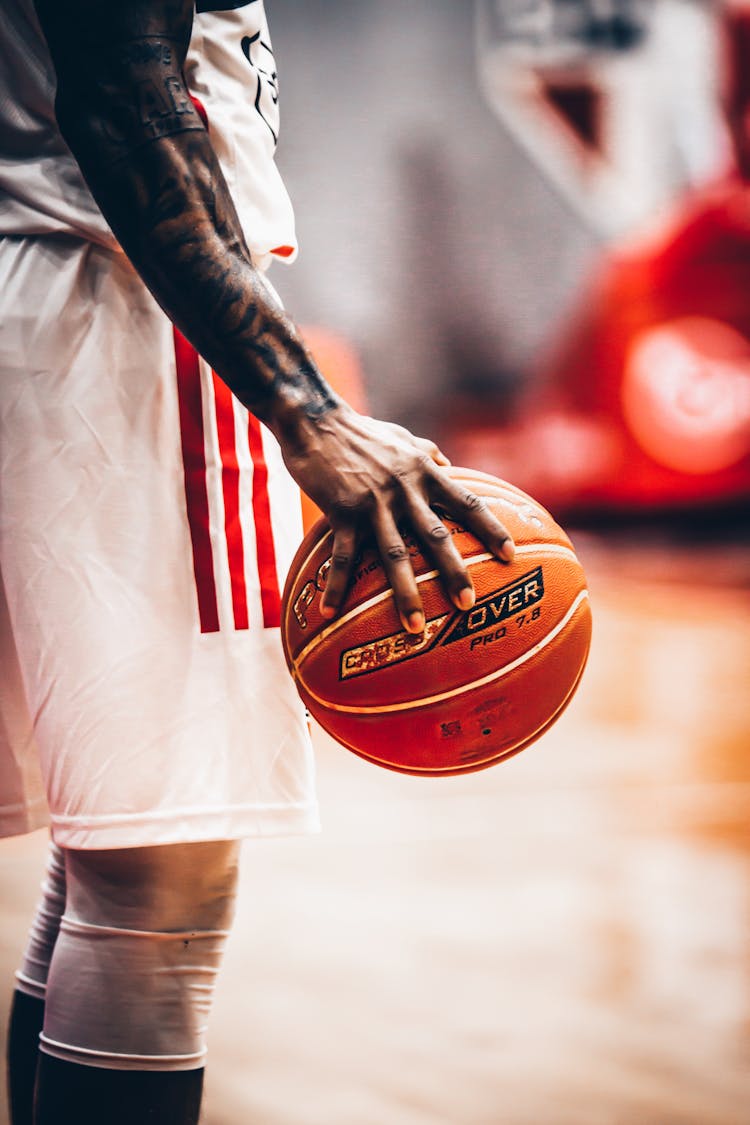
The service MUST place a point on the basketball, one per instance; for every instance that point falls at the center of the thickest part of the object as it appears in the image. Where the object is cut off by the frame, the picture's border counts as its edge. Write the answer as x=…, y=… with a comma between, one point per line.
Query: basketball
x=476, y=686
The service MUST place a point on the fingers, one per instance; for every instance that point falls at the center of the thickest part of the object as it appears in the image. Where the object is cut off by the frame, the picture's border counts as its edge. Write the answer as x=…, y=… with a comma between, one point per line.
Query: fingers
x=437, y=543
x=399, y=571
x=435, y=540
x=474, y=513
x=343, y=554
x=378, y=475
x=396, y=563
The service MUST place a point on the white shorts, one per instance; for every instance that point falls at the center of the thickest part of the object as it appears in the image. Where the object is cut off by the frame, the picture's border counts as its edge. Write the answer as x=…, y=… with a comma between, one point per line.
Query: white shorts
x=146, y=525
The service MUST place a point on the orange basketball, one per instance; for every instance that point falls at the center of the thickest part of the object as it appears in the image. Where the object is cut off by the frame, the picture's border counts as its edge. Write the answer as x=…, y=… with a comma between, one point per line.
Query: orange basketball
x=476, y=686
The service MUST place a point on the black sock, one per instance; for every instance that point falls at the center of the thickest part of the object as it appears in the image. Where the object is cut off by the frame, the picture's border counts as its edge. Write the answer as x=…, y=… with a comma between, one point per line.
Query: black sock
x=26, y=1019
x=70, y=1094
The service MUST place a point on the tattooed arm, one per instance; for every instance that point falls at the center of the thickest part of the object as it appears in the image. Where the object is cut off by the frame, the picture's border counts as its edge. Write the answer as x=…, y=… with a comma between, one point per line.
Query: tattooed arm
x=124, y=110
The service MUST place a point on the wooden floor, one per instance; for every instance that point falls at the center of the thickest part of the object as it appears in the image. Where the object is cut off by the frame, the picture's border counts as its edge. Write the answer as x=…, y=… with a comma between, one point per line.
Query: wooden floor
x=561, y=940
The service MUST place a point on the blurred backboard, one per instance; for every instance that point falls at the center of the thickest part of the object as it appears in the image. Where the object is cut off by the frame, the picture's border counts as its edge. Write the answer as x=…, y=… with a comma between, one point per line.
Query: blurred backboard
x=612, y=100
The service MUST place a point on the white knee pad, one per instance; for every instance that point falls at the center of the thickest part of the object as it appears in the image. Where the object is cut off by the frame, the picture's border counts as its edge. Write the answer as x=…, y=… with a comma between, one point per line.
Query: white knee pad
x=142, y=998
x=31, y=978
x=134, y=998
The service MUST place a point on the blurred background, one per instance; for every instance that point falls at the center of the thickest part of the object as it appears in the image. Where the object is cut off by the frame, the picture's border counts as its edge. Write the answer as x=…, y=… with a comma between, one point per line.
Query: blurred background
x=528, y=222
x=525, y=230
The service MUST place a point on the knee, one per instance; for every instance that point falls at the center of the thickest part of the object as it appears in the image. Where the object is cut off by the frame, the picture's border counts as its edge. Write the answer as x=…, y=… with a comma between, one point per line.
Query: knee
x=168, y=888
x=139, y=948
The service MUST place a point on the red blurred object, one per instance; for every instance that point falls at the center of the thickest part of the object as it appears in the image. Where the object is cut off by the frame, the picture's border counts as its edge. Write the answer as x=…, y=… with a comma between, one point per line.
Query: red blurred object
x=646, y=394
x=647, y=399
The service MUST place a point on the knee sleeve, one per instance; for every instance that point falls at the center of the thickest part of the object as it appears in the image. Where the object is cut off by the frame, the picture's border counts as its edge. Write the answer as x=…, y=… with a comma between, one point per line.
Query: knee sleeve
x=127, y=989
x=31, y=978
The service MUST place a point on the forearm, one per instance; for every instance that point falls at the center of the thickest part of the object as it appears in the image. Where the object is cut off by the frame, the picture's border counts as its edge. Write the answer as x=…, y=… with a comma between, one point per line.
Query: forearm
x=153, y=171
x=169, y=206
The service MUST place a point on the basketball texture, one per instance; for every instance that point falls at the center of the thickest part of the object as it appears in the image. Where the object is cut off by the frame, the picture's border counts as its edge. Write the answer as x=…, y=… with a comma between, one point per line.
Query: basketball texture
x=476, y=686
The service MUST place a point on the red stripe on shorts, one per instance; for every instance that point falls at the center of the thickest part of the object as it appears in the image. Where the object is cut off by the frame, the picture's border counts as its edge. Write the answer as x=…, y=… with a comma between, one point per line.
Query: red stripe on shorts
x=196, y=490
x=200, y=109
x=230, y=483
x=264, y=545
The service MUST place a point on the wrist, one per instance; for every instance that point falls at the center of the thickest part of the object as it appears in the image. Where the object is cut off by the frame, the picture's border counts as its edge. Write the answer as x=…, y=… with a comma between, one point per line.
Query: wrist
x=297, y=404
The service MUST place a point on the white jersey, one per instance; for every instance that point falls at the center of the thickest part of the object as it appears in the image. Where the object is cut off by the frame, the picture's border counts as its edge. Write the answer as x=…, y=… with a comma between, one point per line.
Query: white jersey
x=229, y=69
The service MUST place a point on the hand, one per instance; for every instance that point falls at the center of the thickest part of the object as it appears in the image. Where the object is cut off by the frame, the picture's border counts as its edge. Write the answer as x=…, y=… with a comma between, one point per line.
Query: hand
x=366, y=474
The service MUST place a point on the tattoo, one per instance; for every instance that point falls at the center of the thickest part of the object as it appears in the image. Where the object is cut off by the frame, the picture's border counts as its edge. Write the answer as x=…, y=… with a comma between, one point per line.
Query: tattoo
x=186, y=241
x=128, y=117
x=316, y=396
x=140, y=93
x=144, y=51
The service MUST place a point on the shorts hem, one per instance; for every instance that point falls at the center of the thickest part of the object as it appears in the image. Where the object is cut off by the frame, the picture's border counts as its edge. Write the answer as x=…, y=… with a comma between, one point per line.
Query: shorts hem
x=184, y=826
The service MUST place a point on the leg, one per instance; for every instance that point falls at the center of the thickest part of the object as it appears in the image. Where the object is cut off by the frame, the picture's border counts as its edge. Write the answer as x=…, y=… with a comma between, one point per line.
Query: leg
x=27, y=1011
x=130, y=984
x=24, y=1026
x=87, y=1095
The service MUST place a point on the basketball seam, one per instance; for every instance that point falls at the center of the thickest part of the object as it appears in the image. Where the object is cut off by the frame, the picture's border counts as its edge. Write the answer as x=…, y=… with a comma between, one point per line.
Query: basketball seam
x=485, y=556
x=426, y=701
x=454, y=771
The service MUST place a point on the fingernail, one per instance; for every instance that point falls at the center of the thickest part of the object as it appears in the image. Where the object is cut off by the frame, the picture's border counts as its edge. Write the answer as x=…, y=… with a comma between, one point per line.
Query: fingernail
x=415, y=622
x=466, y=598
x=508, y=550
